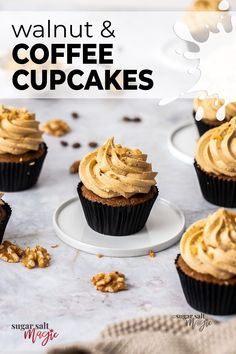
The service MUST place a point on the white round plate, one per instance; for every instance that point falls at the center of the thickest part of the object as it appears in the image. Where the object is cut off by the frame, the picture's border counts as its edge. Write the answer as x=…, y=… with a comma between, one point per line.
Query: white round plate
x=164, y=227
x=182, y=142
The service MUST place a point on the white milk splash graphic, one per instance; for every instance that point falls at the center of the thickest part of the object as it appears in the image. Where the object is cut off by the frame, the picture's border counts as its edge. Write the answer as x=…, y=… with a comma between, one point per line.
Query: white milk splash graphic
x=216, y=57
x=223, y=5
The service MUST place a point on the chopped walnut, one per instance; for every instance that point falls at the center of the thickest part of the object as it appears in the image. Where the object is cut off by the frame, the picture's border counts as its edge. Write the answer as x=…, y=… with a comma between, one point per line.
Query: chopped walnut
x=43, y=257
x=37, y=256
x=29, y=258
x=56, y=127
x=74, y=168
x=12, y=113
x=10, y=253
x=152, y=254
x=109, y=282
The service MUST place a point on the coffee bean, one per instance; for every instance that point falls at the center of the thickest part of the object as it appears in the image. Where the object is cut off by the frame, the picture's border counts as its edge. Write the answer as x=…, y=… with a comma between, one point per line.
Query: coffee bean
x=75, y=115
x=64, y=143
x=126, y=119
x=92, y=144
x=137, y=120
x=76, y=145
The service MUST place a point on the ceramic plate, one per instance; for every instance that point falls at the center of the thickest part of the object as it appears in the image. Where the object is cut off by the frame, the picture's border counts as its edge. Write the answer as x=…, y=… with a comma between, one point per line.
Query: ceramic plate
x=182, y=142
x=164, y=228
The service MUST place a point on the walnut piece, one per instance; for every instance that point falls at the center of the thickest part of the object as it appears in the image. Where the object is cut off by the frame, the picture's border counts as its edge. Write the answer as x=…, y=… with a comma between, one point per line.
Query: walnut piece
x=109, y=282
x=10, y=253
x=37, y=256
x=74, y=168
x=56, y=127
x=152, y=254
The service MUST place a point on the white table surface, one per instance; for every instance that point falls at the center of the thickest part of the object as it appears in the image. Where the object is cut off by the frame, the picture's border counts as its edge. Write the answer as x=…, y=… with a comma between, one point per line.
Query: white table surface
x=62, y=294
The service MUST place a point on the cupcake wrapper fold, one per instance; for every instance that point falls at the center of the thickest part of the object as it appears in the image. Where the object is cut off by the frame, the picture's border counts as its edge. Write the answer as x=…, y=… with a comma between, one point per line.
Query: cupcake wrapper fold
x=217, y=190
x=115, y=221
x=202, y=127
x=18, y=176
x=3, y=223
x=210, y=298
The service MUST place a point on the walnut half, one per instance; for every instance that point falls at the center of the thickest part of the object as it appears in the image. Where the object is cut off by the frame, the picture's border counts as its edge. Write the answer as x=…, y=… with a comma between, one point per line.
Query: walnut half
x=37, y=256
x=56, y=127
x=109, y=282
x=10, y=253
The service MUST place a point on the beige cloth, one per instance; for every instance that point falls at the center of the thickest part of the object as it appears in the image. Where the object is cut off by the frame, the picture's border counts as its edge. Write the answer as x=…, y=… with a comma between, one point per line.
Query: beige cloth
x=159, y=334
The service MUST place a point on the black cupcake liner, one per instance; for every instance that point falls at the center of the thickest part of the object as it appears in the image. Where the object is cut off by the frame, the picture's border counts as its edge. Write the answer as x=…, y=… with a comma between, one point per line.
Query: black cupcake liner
x=202, y=127
x=18, y=176
x=210, y=298
x=116, y=221
x=3, y=223
x=217, y=190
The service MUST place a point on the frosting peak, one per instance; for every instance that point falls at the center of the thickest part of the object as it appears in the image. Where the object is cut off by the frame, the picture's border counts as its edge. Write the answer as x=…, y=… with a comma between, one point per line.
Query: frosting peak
x=113, y=170
x=211, y=105
x=216, y=150
x=209, y=245
x=19, y=131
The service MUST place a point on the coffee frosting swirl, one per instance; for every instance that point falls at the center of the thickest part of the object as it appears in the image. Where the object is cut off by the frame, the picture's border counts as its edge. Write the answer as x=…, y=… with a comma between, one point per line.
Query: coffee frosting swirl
x=209, y=245
x=216, y=150
x=19, y=131
x=211, y=105
x=113, y=171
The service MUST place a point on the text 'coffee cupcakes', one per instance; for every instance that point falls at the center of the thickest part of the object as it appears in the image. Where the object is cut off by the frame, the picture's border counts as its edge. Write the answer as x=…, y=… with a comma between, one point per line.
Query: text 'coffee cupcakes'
x=215, y=164
x=207, y=264
x=118, y=189
x=22, y=150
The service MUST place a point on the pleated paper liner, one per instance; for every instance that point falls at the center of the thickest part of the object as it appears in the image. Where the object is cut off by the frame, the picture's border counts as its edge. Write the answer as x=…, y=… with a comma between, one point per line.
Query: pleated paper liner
x=210, y=298
x=217, y=190
x=3, y=223
x=116, y=221
x=18, y=176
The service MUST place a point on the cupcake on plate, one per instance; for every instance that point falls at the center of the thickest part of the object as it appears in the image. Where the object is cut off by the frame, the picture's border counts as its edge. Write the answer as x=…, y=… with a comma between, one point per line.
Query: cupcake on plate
x=118, y=189
x=5, y=213
x=209, y=107
x=22, y=150
x=207, y=264
x=215, y=164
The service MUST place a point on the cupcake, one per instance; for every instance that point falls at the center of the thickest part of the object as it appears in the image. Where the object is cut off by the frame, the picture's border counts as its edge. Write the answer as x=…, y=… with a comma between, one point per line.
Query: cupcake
x=209, y=107
x=22, y=150
x=203, y=16
x=215, y=164
x=117, y=189
x=5, y=213
x=207, y=264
